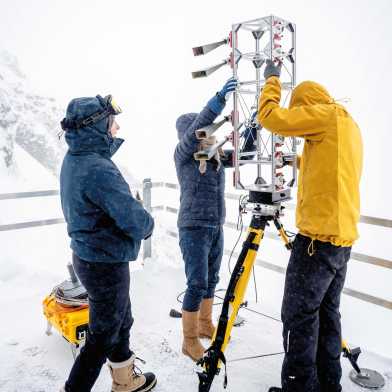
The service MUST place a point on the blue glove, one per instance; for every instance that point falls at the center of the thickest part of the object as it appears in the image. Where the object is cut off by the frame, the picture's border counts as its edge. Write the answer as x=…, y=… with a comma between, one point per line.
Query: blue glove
x=228, y=88
x=217, y=103
x=271, y=69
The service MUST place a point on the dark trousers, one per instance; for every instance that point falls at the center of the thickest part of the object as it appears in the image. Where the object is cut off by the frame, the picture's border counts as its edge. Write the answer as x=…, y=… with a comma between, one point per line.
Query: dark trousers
x=202, y=250
x=107, y=285
x=311, y=319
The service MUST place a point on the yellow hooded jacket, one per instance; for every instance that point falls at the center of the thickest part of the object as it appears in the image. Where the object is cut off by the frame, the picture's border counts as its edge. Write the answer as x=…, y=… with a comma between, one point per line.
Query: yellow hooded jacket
x=331, y=164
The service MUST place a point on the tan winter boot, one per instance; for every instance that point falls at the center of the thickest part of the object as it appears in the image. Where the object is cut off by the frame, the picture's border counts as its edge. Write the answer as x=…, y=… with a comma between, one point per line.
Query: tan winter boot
x=191, y=345
x=206, y=327
x=126, y=379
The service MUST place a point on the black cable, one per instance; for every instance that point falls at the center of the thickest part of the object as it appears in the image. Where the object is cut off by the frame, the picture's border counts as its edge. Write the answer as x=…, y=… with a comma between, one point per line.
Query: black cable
x=255, y=284
x=256, y=356
x=290, y=233
x=263, y=314
x=240, y=223
x=255, y=311
x=250, y=310
x=215, y=303
x=179, y=295
x=236, y=243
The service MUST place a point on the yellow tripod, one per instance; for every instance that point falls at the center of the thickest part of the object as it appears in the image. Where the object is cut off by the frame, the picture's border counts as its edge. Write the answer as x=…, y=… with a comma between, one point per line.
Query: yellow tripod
x=214, y=356
x=235, y=293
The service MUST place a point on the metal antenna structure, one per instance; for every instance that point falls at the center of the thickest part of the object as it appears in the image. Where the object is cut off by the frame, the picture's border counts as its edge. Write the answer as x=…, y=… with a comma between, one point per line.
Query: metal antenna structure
x=252, y=43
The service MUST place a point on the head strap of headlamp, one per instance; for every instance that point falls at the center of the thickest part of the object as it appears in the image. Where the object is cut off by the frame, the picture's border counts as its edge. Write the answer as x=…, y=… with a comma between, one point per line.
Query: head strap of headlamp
x=111, y=108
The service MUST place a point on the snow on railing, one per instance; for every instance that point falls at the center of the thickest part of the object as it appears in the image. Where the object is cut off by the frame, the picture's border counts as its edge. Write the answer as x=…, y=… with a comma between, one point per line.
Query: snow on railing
x=147, y=245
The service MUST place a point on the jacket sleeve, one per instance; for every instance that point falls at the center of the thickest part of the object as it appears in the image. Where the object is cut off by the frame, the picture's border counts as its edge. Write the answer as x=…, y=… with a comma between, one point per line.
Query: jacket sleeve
x=189, y=142
x=250, y=136
x=108, y=190
x=308, y=121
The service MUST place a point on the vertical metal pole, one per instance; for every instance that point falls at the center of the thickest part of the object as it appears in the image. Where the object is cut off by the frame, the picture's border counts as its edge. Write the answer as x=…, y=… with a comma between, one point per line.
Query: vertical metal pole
x=235, y=109
x=258, y=87
x=72, y=275
x=294, y=45
x=293, y=83
x=272, y=135
x=147, y=186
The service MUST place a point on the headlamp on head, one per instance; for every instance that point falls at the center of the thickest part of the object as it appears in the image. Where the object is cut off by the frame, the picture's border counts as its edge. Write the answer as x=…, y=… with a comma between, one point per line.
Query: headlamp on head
x=110, y=108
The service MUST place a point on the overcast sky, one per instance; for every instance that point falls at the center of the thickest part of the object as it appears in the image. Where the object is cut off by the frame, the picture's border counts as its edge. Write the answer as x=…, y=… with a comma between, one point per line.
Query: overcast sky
x=141, y=53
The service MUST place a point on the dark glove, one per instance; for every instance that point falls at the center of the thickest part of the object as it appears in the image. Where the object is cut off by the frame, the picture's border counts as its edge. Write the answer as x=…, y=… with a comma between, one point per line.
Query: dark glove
x=271, y=69
x=217, y=103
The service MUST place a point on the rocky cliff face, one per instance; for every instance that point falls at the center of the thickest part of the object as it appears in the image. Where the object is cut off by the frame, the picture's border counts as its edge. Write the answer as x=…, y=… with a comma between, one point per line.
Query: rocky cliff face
x=28, y=119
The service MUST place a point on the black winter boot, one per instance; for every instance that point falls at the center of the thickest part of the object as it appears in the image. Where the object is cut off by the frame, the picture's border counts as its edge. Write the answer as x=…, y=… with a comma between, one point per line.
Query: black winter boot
x=275, y=389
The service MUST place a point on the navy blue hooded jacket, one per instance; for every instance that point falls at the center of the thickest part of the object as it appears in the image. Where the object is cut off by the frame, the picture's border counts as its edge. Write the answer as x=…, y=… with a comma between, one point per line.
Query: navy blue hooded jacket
x=202, y=197
x=104, y=221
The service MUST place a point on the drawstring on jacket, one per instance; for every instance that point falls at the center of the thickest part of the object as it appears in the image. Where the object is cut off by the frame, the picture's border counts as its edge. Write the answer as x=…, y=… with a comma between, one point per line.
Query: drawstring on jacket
x=342, y=100
x=311, y=248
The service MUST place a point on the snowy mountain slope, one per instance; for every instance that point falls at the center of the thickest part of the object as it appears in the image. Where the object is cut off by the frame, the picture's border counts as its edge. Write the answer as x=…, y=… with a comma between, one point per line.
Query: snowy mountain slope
x=31, y=361
x=25, y=175
x=31, y=122
x=27, y=119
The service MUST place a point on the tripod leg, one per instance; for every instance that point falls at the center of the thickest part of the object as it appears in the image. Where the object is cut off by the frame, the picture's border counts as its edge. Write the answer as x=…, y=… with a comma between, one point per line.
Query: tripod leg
x=236, y=293
x=365, y=378
x=288, y=244
x=214, y=356
x=352, y=355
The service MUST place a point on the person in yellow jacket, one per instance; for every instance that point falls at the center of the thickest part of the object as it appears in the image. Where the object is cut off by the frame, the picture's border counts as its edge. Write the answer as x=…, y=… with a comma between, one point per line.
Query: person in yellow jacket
x=327, y=216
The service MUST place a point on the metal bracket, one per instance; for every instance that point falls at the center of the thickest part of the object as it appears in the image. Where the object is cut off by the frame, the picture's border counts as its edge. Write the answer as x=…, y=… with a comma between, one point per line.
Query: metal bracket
x=204, y=49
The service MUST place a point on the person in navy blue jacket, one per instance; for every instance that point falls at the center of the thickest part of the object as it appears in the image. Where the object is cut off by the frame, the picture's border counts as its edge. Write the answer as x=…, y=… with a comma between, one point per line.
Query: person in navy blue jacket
x=106, y=225
x=201, y=217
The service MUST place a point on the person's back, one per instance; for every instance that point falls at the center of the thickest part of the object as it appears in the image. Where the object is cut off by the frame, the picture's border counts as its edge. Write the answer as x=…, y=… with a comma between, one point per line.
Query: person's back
x=202, y=200
x=331, y=163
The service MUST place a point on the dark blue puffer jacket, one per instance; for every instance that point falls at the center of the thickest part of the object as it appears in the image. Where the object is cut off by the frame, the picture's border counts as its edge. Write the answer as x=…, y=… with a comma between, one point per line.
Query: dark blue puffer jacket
x=104, y=221
x=202, y=197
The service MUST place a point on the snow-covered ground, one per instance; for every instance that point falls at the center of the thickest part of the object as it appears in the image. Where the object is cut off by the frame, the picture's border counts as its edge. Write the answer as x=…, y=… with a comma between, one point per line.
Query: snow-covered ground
x=31, y=361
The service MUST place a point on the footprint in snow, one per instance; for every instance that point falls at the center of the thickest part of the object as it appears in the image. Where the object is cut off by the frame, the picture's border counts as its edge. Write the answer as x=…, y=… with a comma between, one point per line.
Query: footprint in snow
x=33, y=351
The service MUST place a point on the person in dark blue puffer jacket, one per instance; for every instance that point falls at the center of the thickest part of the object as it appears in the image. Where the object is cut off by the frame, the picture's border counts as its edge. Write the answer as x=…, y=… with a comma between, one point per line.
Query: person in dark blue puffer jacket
x=106, y=225
x=201, y=217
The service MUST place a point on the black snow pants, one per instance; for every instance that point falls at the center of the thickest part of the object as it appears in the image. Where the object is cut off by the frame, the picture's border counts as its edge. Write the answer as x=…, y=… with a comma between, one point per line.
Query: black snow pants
x=311, y=318
x=107, y=285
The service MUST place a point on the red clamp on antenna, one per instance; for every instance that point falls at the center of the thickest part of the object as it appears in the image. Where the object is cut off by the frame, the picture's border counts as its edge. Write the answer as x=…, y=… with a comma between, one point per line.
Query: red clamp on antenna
x=234, y=116
x=231, y=38
x=234, y=175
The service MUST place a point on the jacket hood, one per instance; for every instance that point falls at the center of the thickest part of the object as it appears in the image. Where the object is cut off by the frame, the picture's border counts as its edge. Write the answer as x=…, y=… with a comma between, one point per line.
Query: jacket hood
x=93, y=138
x=309, y=93
x=184, y=122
